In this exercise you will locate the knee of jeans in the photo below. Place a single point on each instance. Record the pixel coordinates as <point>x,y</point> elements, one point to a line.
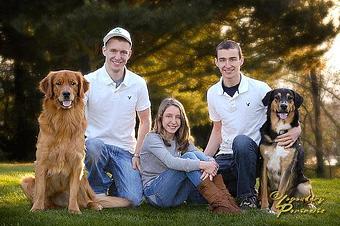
<point>242,144</point>
<point>136,200</point>
<point>94,149</point>
<point>189,155</point>
<point>200,155</point>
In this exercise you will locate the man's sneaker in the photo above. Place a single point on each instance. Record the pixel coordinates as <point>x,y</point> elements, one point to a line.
<point>249,203</point>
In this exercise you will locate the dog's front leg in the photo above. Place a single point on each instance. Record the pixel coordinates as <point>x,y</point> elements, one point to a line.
<point>264,185</point>
<point>73,206</point>
<point>40,186</point>
<point>285,182</point>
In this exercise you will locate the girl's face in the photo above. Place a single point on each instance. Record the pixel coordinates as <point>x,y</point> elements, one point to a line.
<point>171,121</point>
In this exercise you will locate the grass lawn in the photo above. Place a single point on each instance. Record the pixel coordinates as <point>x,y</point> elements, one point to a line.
<point>14,209</point>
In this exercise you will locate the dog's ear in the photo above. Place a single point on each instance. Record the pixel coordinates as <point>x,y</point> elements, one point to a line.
<point>46,85</point>
<point>267,98</point>
<point>83,85</point>
<point>298,99</point>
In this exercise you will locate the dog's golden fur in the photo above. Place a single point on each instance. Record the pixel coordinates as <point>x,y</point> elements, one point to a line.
<point>282,169</point>
<point>59,180</point>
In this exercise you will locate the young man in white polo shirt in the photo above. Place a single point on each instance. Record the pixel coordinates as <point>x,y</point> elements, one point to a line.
<point>236,109</point>
<point>114,97</point>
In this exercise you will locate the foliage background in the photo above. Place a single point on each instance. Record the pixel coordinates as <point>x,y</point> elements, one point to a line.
<point>174,46</point>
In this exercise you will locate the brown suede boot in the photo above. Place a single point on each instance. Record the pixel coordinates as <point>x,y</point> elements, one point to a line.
<point>218,181</point>
<point>216,198</point>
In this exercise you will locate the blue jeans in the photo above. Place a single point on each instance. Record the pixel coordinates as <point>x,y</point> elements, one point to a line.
<point>173,187</point>
<point>101,159</point>
<point>239,169</point>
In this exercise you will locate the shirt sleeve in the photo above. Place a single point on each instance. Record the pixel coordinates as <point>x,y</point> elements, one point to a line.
<point>143,101</point>
<point>213,115</point>
<point>154,144</point>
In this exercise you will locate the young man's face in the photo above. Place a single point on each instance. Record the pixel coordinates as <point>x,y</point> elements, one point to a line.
<point>117,53</point>
<point>229,63</point>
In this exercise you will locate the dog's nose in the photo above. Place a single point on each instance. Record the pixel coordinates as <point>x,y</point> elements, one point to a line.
<point>66,95</point>
<point>283,106</point>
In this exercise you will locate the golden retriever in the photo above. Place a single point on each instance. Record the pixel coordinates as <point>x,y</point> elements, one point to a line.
<point>59,180</point>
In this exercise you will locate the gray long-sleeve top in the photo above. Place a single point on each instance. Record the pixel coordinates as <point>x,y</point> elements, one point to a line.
<point>156,158</point>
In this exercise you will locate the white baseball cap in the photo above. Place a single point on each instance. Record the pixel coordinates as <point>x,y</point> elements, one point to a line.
<point>120,32</point>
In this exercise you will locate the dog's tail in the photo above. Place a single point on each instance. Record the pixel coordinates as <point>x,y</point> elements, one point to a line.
<point>104,200</point>
<point>112,202</point>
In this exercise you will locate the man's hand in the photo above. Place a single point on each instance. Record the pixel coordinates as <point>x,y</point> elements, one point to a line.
<point>136,163</point>
<point>287,140</point>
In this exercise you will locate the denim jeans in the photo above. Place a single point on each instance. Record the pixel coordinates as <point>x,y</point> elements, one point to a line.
<point>239,169</point>
<point>173,187</point>
<point>102,159</point>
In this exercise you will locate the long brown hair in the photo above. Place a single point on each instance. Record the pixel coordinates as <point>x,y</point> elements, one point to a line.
<point>182,135</point>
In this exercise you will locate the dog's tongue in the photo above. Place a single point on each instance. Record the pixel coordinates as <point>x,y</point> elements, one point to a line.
<point>67,103</point>
<point>282,115</point>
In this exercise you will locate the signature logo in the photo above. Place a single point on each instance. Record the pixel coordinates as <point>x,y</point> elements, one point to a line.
<point>284,204</point>
<point>129,97</point>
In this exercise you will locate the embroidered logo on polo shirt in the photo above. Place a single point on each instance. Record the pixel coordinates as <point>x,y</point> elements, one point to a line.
<point>129,97</point>
<point>248,103</point>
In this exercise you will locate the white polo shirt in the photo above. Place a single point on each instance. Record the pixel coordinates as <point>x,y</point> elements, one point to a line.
<point>242,114</point>
<point>111,111</point>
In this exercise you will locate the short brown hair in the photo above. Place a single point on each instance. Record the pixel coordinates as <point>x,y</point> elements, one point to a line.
<point>229,44</point>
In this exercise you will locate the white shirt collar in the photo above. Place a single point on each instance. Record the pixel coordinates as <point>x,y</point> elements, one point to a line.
<point>106,79</point>
<point>243,87</point>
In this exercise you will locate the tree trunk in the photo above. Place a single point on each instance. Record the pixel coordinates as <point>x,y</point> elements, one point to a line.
<point>24,140</point>
<point>316,98</point>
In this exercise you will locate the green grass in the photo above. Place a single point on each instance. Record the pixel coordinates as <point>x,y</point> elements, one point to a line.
<point>14,209</point>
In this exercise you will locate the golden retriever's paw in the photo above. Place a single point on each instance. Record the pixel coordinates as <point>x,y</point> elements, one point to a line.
<point>36,208</point>
<point>74,211</point>
<point>95,206</point>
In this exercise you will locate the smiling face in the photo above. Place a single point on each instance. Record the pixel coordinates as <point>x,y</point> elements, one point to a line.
<point>117,52</point>
<point>171,121</point>
<point>229,63</point>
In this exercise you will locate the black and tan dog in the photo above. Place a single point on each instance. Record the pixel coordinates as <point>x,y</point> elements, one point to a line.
<point>282,168</point>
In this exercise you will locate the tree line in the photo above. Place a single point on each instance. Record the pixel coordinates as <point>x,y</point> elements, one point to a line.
<point>174,47</point>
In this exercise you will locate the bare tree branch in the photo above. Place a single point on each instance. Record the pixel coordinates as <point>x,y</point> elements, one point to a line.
<point>329,115</point>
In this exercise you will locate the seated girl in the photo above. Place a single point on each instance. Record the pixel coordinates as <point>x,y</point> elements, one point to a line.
<point>174,170</point>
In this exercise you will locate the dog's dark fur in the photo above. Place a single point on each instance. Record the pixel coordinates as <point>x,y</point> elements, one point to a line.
<point>282,169</point>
